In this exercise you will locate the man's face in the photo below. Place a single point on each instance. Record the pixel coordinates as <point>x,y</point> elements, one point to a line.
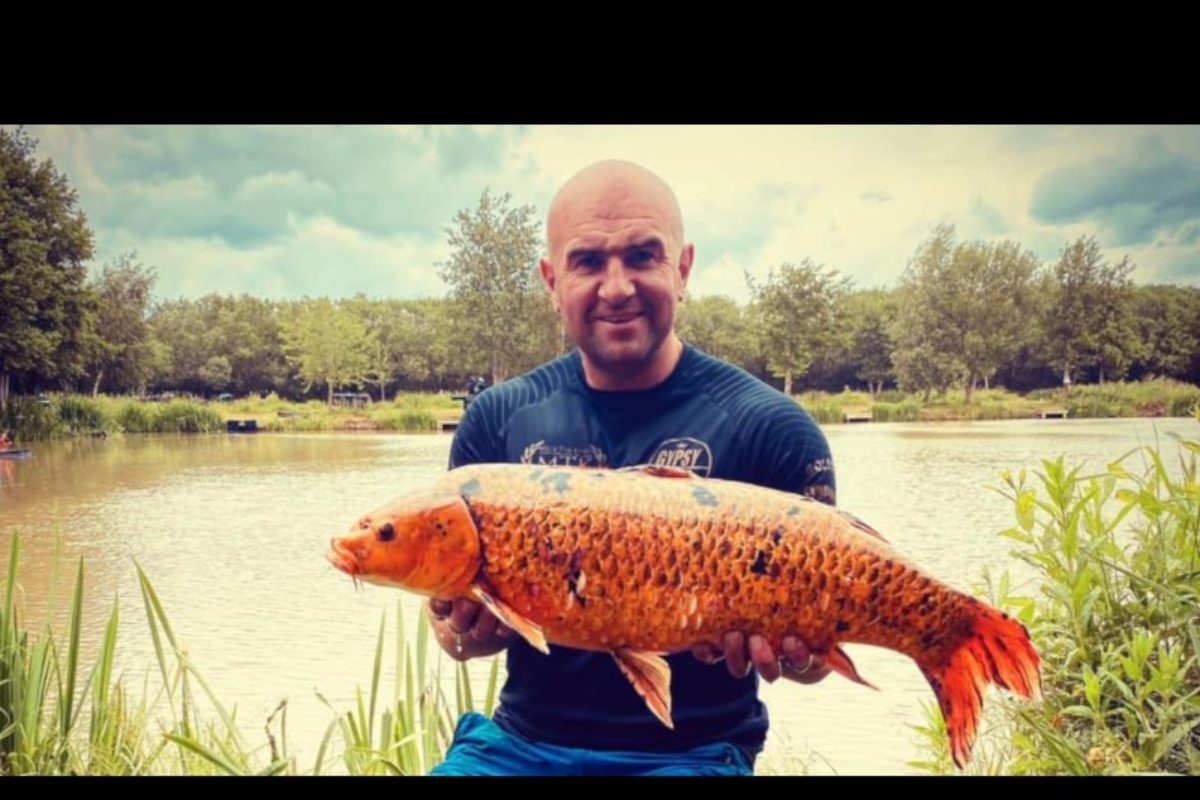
<point>617,272</point>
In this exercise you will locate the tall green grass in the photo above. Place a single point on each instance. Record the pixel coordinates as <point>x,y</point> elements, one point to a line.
<point>55,721</point>
<point>81,415</point>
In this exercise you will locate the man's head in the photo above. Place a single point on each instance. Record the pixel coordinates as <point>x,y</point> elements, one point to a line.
<point>616,267</point>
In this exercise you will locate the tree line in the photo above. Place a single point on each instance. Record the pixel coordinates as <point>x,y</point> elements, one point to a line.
<point>963,313</point>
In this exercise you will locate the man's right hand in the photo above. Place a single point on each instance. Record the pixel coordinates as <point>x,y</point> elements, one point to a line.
<point>465,629</point>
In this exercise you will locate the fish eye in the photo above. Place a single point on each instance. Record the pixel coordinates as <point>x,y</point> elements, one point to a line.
<point>386,532</point>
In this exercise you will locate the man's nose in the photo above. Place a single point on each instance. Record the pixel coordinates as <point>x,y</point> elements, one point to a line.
<point>616,287</point>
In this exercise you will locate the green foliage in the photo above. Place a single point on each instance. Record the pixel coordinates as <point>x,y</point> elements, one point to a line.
<point>1115,615</point>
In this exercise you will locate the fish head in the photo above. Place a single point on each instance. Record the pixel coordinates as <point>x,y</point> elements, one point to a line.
<point>424,541</point>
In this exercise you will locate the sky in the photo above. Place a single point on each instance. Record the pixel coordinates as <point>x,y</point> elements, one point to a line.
<point>293,211</point>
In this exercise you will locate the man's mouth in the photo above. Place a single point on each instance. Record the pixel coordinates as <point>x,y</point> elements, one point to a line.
<point>618,319</point>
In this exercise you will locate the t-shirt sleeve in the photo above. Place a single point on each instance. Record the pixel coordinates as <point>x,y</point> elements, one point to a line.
<point>476,440</point>
<point>794,455</point>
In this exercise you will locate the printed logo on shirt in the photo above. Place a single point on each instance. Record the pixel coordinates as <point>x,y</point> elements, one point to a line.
<point>557,455</point>
<point>817,466</point>
<point>684,453</point>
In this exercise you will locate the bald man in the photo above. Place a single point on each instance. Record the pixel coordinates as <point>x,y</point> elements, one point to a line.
<point>616,267</point>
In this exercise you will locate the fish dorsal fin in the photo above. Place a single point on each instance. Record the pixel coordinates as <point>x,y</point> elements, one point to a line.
<point>527,629</point>
<point>853,520</point>
<point>651,678</point>
<point>661,472</point>
<point>862,526</point>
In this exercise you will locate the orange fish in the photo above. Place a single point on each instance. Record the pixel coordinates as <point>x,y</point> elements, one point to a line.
<point>648,561</point>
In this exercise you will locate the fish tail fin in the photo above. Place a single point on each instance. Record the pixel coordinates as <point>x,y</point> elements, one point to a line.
<point>996,649</point>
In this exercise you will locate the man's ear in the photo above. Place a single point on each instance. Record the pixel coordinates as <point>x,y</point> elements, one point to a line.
<point>686,257</point>
<point>548,277</point>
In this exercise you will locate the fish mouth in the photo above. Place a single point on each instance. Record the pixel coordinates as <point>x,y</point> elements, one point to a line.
<point>341,557</point>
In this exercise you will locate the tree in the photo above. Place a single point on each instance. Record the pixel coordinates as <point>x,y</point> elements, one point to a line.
<point>44,242</point>
<point>871,315</point>
<point>326,342</point>
<point>798,307</point>
<point>244,331</point>
<point>395,340</point>
<point>122,349</point>
<point>718,325</point>
<point>436,321</point>
<point>182,329</point>
<point>216,373</point>
<point>1088,320</point>
<point>492,275</point>
<point>966,310</point>
<point>1165,316</point>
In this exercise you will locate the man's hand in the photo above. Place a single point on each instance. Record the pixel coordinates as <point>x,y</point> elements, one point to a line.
<point>740,653</point>
<point>465,629</point>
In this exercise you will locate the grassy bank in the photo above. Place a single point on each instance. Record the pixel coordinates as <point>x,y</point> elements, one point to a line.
<point>1155,398</point>
<point>406,413</point>
<point>80,415</point>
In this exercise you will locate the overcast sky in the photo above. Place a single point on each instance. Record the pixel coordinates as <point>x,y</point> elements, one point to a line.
<point>290,211</point>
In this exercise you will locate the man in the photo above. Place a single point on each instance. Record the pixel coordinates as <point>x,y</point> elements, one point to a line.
<point>632,393</point>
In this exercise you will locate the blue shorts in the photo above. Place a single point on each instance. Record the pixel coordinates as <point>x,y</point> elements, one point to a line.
<point>480,747</point>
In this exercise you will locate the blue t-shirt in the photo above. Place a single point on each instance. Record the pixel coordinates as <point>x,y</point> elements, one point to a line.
<point>708,416</point>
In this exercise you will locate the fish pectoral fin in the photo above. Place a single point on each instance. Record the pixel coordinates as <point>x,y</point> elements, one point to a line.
<point>651,678</point>
<point>661,472</point>
<point>837,660</point>
<point>527,629</point>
